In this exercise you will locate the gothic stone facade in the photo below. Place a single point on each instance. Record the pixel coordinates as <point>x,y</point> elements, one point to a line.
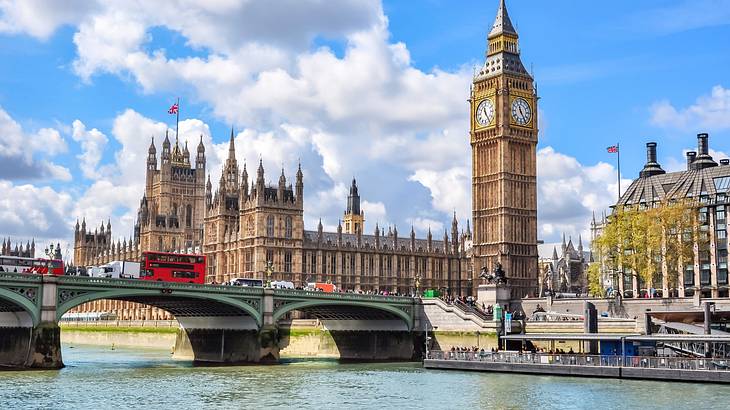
<point>247,226</point>
<point>504,131</point>
<point>565,273</point>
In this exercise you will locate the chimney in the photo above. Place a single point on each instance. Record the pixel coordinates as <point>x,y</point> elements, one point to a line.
<point>690,159</point>
<point>703,160</point>
<point>651,167</point>
<point>702,144</point>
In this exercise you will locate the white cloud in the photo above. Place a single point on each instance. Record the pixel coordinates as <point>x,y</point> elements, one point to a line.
<point>92,144</point>
<point>424,224</point>
<point>450,189</point>
<point>26,156</point>
<point>40,18</point>
<point>709,112</point>
<point>375,213</point>
<point>568,193</point>
<point>29,212</point>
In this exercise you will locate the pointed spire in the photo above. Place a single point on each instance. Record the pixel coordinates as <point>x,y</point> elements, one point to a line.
<point>580,243</point>
<point>152,149</point>
<point>468,228</point>
<point>231,147</point>
<point>502,23</point>
<point>201,147</point>
<point>282,178</point>
<point>555,253</point>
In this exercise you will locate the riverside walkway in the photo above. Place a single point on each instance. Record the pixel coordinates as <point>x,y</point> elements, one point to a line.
<point>683,369</point>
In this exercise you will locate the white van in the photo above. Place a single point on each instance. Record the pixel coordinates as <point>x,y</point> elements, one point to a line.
<point>282,285</point>
<point>120,270</point>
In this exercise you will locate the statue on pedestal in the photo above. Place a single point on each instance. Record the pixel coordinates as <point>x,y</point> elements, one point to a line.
<point>497,276</point>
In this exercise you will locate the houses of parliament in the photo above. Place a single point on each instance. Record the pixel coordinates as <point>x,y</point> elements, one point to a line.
<point>243,224</point>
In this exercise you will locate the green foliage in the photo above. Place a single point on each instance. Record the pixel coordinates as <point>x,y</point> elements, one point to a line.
<point>640,240</point>
<point>595,286</point>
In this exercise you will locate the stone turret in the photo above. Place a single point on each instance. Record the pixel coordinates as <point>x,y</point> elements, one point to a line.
<point>200,158</point>
<point>300,184</point>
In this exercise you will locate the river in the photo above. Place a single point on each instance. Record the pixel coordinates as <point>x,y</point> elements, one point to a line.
<point>97,377</point>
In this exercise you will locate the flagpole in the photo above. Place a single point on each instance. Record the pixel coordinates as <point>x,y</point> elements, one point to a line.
<point>177,118</point>
<point>618,166</point>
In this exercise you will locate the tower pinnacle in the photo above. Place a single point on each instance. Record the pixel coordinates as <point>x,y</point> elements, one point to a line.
<point>502,23</point>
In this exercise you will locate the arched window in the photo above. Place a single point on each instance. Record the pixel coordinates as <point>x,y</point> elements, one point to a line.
<point>288,227</point>
<point>287,262</point>
<point>189,216</point>
<point>159,244</point>
<point>270,226</point>
<point>174,244</point>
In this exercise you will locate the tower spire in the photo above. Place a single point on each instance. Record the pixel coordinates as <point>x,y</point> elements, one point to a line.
<point>231,147</point>
<point>502,23</point>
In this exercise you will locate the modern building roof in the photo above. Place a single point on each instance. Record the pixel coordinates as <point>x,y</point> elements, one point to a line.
<point>703,177</point>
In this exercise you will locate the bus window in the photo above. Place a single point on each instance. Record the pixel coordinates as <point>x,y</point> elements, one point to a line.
<point>184,275</point>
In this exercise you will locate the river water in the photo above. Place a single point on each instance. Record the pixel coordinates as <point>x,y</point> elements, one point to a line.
<point>97,377</point>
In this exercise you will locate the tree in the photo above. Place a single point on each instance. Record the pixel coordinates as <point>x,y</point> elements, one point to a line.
<point>642,240</point>
<point>595,284</point>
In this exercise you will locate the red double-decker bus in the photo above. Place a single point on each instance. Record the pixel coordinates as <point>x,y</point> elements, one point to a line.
<point>17,264</point>
<point>172,267</point>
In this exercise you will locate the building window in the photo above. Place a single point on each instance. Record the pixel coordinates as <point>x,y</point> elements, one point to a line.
<point>270,256</point>
<point>189,216</point>
<point>288,227</point>
<point>248,260</point>
<point>689,275</point>
<point>287,262</point>
<point>159,244</point>
<point>313,261</point>
<point>270,226</point>
<point>333,263</point>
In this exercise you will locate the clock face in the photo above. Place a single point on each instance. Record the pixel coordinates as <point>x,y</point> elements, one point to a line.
<point>521,111</point>
<point>485,112</point>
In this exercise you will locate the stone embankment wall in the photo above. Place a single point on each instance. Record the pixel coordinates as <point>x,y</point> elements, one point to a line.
<point>619,308</point>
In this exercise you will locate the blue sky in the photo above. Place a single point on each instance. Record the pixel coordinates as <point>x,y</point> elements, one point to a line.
<point>359,88</point>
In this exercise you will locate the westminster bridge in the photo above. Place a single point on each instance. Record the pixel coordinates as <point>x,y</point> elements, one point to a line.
<point>224,324</point>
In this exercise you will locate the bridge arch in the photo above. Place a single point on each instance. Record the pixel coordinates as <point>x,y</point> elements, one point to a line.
<point>390,309</point>
<point>176,303</point>
<point>13,303</point>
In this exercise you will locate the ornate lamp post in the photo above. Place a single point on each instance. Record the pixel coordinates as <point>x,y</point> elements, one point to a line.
<point>418,284</point>
<point>269,271</point>
<point>50,253</point>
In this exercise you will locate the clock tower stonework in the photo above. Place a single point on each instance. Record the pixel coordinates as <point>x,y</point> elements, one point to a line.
<point>503,137</point>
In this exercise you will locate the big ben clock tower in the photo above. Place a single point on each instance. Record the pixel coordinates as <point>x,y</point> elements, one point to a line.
<point>503,141</point>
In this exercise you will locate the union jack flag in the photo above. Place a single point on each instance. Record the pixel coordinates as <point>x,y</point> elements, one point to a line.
<point>173,109</point>
<point>613,149</point>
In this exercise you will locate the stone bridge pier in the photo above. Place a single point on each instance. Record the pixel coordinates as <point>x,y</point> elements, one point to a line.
<point>29,332</point>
